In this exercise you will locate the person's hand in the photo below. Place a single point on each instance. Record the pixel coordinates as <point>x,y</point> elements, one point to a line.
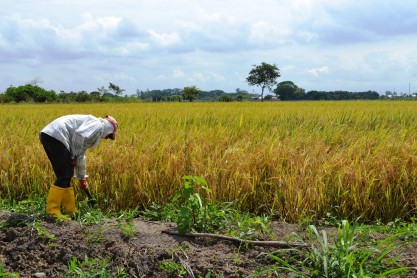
<point>84,184</point>
<point>74,162</point>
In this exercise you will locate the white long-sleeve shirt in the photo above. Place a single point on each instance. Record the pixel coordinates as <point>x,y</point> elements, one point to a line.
<point>78,133</point>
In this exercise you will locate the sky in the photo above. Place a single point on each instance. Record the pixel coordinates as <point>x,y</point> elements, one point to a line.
<point>323,45</point>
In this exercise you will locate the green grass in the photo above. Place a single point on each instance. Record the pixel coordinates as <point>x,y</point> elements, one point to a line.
<point>350,250</point>
<point>347,254</point>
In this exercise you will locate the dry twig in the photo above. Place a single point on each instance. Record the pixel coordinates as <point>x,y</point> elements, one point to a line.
<point>278,244</point>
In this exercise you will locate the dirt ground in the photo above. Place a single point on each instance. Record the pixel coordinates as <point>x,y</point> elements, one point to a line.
<point>48,248</point>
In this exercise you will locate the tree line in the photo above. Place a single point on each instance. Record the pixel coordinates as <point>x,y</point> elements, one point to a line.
<point>264,76</point>
<point>286,91</point>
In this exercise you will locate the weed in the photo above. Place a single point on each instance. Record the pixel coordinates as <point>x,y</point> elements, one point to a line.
<point>192,214</point>
<point>343,258</point>
<point>245,226</point>
<point>156,212</point>
<point>97,236</point>
<point>127,229</point>
<point>92,268</point>
<point>42,231</point>
<point>171,267</point>
<point>208,275</point>
<point>90,215</point>
<point>125,223</point>
<point>4,273</point>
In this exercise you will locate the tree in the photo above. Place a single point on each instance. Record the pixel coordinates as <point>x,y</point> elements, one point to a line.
<point>190,93</point>
<point>264,75</point>
<point>287,90</point>
<point>225,98</point>
<point>29,93</point>
<point>116,89</point>
<point>102,91</point>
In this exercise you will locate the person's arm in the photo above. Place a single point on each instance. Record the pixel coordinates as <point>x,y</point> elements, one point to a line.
<point>86,136</point>
<point>80,168</point>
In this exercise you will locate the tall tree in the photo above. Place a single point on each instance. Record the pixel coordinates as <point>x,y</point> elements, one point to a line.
<point>190,93</point>
<point>116,89</point>
<point>102,91</point>
<point>287,90</point>
<point>263,75</point>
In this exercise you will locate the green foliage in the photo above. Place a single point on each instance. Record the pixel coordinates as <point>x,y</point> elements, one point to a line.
<point>287,90</point>
<point>43,232</point>
<point>116,89</point>
<point>225,98</point>
<point>264,76</point>
<point>29,93</point>
<point>204,215</point>
<point>246,226</point>
<point>4,273</point>
<point>96,236</point>
<point>405,231</point>
<point>343,257</point>
<point>125,223</point>
<point>156,212</point>
<point>171,267</point>
<point>193,213</point>
<point>190,93</point>
<point>92,268</point>
<point>35,205</point>
<point>340,95</point>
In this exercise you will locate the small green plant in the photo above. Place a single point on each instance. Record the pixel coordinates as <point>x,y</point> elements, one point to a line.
<point>89,215</point>
<point>125,223</point>
<point>97,235</point>
<point>42,231</point>
<point>331,218</point>
<point>208,275</point>
<point>4,273</point>
<point>127,229</point>
<point>157,212</point>
<point>172,268</point>
<point>192,212</point>
<point>92,268</point>
<point>406,231</point>
<point>35,205</point>
<point>16,220</point>
<point>245,226</point>
<point>343,258</point>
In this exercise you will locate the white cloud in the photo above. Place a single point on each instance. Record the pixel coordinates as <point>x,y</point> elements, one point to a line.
<point>318,71</point>
<point>178,73</point>
<point>164,40</point>
<point>213,43</point>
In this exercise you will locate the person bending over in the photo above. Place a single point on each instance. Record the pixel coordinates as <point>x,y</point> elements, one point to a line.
<point>65,141</point>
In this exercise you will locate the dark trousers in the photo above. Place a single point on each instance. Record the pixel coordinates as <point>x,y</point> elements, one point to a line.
<point>60,158</point>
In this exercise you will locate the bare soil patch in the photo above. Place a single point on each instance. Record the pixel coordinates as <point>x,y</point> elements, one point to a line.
<point>26,250</point>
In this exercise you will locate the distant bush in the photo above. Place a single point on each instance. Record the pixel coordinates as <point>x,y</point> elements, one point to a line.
<point>28,93</point>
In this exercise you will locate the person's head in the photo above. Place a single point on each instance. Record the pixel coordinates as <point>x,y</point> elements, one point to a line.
<point>115,126</point>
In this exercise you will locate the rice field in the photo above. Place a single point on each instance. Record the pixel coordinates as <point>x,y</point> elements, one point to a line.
<point>293,159</point>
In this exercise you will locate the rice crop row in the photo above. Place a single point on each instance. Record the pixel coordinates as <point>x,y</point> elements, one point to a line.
<point>295,159</point>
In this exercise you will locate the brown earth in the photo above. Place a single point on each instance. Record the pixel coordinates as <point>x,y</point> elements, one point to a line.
<point>49,247</point>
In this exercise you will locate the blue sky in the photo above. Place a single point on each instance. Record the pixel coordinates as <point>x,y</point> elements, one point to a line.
<point>212,44</point>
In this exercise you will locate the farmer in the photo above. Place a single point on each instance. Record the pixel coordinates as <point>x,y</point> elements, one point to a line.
<point>65,141</point>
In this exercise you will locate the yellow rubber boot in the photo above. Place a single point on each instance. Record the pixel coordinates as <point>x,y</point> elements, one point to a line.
<point>53,202</point>
<point>68,201</point>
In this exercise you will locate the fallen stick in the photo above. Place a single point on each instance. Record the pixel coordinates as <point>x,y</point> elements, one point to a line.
<point>279,244</point>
